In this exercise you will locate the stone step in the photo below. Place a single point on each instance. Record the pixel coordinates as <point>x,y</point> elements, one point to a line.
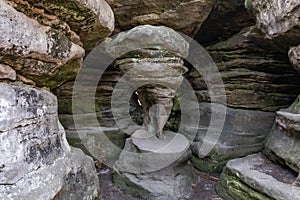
<point>256,177</point>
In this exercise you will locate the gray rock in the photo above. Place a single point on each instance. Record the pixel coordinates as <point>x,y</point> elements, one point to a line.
<point>243,133</point>
<point>255,74</point>
<point>179,15</point>
<point>294,55</point>
<point>33,142</point>
<point>148,37</point>
<point>84,22</point>
<point>6,72</point>
<point>38,52</point>
<point>277,19</point>
<point>166,184</point>
<point>283,143</point>
<point>255,177</point>
<point>155,173</point>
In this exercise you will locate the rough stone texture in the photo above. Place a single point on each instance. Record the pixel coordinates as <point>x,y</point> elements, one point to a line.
<point>88,127</point>
<point>226,19</point>
<point>283,142</point>
<point>243,133</point>
<point>170,13</point>
<point>38,52</point>
<point>255,75</point>
<point>148,37</point>
<point>6,72</point>
<point>294,55</point>
<point>36,161</point>
<point>153,175</point>
<point>153,164</point>
<point>277,19</point>
<point>91,20</point>
<point>255,177</point>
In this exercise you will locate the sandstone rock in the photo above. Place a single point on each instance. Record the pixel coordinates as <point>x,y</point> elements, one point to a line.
<point>277,19</point>
<point>91,20</point>
<point>255,177</point>
<point>184,16</point>
<point>227,18</point>
<point>6,72</point>
<point>243,133</point>
<point>255,75</point>
<point>38,52</point>
<point>294,55</point>
<point>36,161</point>
<point>283,143</point>
<point>150,175</point>
<point>148,37</point>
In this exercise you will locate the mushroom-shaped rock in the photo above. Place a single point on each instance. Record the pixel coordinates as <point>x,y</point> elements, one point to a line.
<point>149,37</point>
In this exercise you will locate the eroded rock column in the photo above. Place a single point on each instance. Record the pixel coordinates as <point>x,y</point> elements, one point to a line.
<point>153,160</point>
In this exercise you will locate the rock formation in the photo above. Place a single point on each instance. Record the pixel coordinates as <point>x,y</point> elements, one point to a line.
<point>169,13</point>
<point>36,160</point>
<point>272,175</point>
<point>153,162</point>
<point>43,44</point>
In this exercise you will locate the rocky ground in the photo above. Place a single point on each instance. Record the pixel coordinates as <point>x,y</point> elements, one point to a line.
<point>204,186</point>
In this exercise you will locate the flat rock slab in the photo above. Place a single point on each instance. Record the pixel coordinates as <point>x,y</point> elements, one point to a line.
<point>171,143</point>
<point>255,177</point>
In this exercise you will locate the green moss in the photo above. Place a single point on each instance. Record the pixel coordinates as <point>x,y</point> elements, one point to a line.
<point>231,187</point>
<point>208,164</point>
<point>82,20</point>
<point>61,75</point>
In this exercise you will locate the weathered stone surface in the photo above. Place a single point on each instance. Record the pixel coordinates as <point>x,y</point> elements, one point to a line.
<point>277,19</point>
<point>243,133</point>
<point>73,176</point>
<point>283,142</point>
<point>91,20</point>
<point>185,16</point>
<point>92,116</point>
<point>255,75</point>
<point>167,184</point>
<point>154,173</point>
<point>294,55</point>
<point>255,177</point>
<point>226,19</point>
<point>6,72</point>
<point>38,52</point>
<point>149,37</point>
<point>32,143</point>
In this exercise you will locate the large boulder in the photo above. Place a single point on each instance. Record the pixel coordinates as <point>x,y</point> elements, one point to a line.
<point>277,20</point>
<point>255,177</point>
<point>38,52</point>
<point>91,20</point>
<point>184,16</point>
<point>36,161</point>
<point>283,143</point>
<point>243,133</point>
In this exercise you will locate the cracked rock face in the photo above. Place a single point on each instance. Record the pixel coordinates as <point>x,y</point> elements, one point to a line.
<point>38,52</point>
<point>277,19</point>
<point>34,152</point>
<point>132,13</point>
